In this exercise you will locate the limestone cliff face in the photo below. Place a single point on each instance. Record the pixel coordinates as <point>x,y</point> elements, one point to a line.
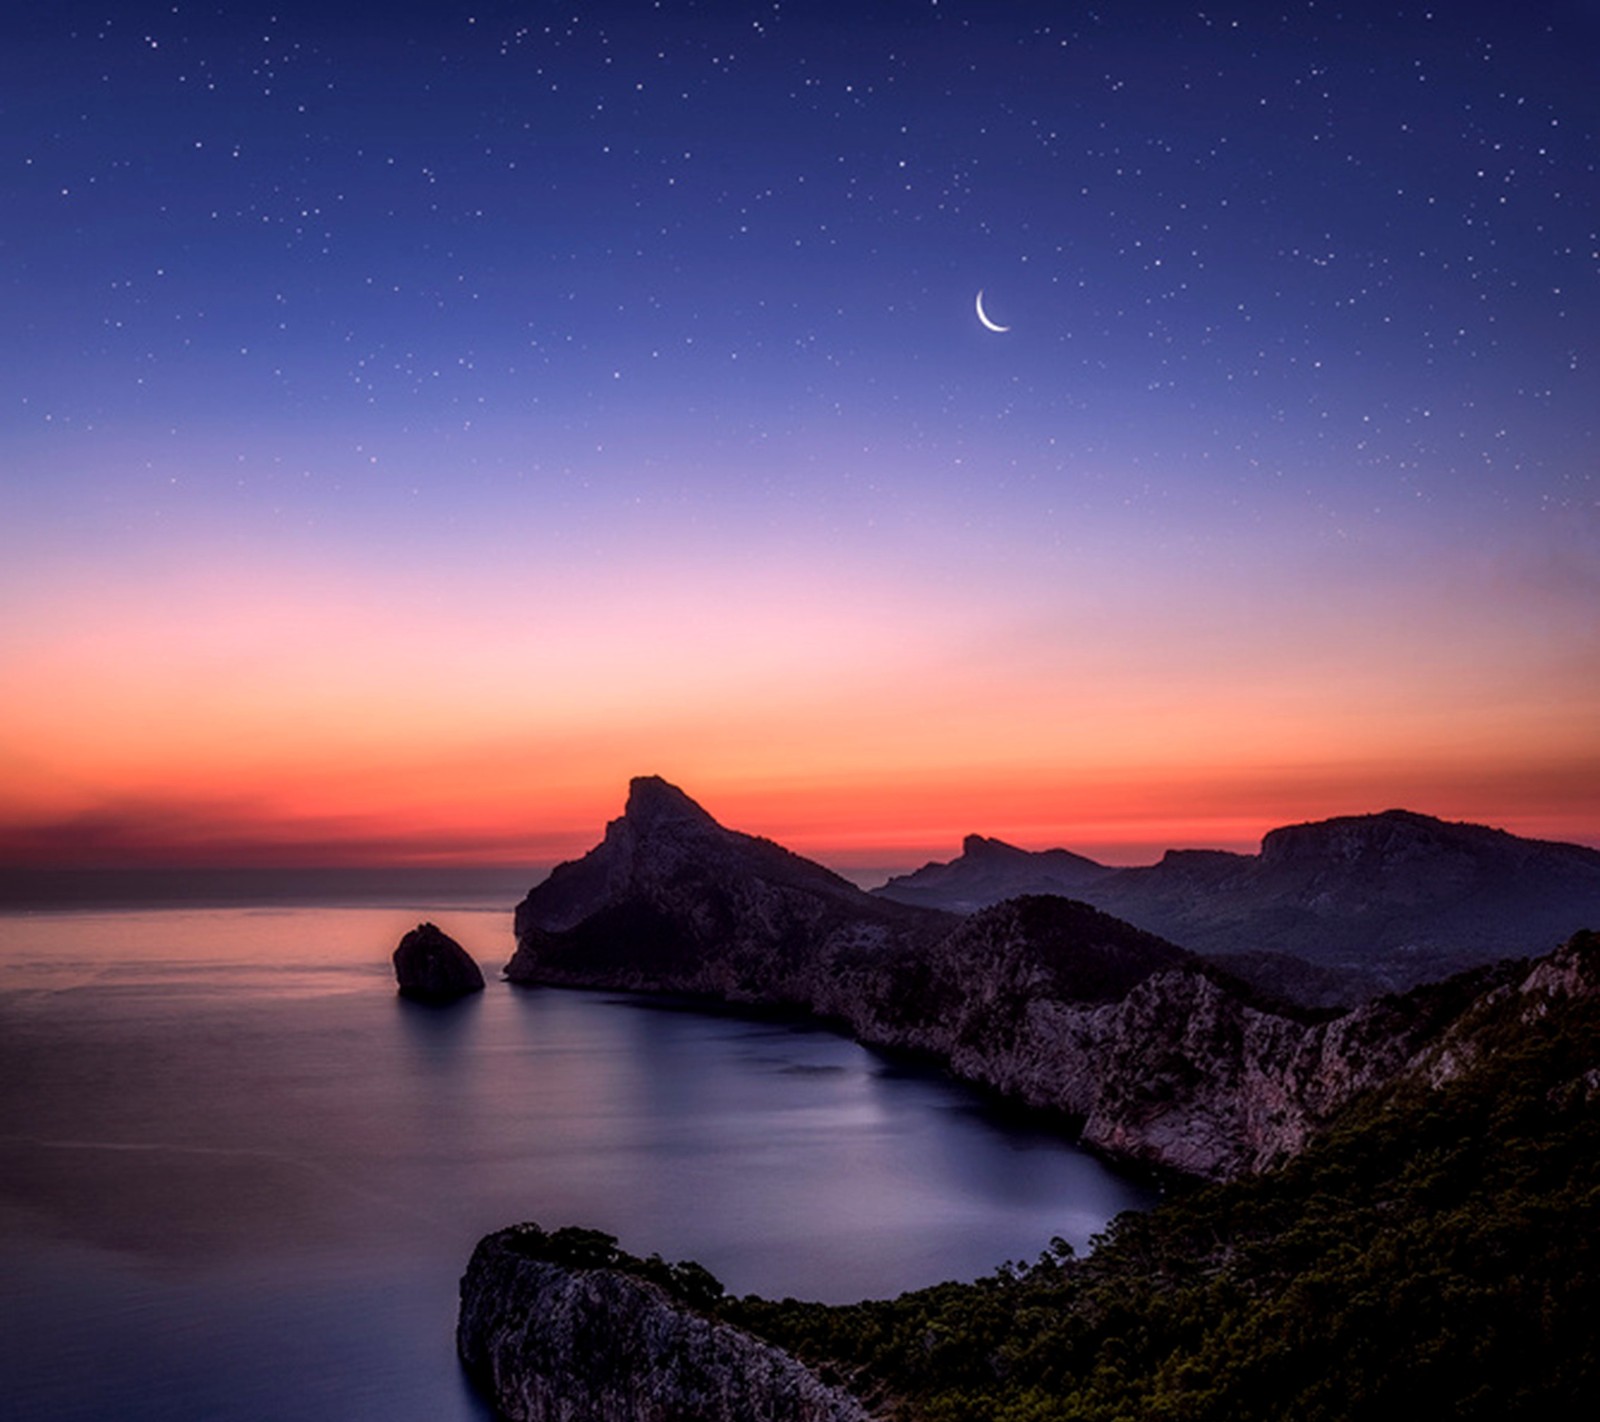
<point>1571,972</point>
<point>1190,1077</point>
<point>1161,1056</point>
<point>550,1343</point>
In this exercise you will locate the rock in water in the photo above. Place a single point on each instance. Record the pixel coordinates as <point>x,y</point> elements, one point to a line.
<point>549,1342</point>
<point>431,966</point>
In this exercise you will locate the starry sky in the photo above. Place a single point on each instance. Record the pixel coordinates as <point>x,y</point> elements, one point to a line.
<point>417,419</point>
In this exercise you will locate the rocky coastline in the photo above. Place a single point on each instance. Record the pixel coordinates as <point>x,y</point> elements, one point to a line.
<point>1165,1059</point>
<point>1158,1057</point>
<point>553,1334</point>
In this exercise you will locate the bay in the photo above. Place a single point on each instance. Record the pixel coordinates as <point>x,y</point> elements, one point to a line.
<point>240,1177</point>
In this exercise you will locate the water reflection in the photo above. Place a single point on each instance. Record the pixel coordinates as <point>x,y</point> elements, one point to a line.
<point>195,1161</point>
<point>441,1035</point>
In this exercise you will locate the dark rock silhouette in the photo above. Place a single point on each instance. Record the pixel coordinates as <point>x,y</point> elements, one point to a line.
<point>1160,1055</point>
<point>1372,903</point>
<point>670,899</point>
<point>552,1342</point>
<point>431,966</point>
<point>989,871</point>
<point>1400,897</point>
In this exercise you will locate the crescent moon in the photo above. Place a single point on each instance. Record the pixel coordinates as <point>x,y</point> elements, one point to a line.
<point>983,316</point>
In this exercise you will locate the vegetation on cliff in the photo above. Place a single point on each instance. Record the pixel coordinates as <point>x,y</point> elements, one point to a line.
<point>573,1247</point>
<point>564,1327</point>
<point>1435,1253</point>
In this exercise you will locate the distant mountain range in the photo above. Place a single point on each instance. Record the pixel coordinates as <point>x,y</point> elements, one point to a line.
<point>1327,912</point>
<point>1155,1053</point>
<point>990,871</point>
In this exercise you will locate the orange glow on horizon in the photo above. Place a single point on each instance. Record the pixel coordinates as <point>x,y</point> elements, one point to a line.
<point>854,719</point>
<point>884,824</point>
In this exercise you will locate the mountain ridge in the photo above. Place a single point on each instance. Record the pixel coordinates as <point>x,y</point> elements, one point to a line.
<point>1376,902</point>
<point>1159,1055</point>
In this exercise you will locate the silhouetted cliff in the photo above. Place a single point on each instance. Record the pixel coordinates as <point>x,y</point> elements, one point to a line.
<point>989,871</point>
<point>672,900</point>
<point>1160,1056</point>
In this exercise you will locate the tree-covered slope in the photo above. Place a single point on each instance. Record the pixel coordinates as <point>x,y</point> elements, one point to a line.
<point>1434,1254</point>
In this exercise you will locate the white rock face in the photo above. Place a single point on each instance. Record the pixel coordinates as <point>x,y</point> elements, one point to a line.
<point>548,1343</point>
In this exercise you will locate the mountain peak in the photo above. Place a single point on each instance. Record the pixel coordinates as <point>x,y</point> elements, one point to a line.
<point>1387,835</point>
<point>989,871</point>
<point>978,846</point>
<point>653,801</point>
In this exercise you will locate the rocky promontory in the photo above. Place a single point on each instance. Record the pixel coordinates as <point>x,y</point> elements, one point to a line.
<point>1158,1056</point>
<point>430,966</point>
<point>670,900</point>
<point>560,1327</point>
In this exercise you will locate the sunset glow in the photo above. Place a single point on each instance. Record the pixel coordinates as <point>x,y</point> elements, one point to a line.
<point>360,509</point>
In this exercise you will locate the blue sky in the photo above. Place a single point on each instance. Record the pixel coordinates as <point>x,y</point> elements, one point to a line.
<point>611,373</point>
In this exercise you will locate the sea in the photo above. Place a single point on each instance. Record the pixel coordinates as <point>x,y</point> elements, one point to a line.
<point>240,1177</point>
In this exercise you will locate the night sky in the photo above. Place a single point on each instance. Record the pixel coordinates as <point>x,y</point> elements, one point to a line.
<point>417,419</point>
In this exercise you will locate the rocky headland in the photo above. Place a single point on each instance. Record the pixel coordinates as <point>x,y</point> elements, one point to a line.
<point>670,900</point>
<point>1156,1055</point>
<point>430,966</point>
<point>561,1327</point>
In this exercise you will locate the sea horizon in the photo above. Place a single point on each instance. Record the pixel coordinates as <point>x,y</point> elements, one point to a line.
<point>226,1140</point>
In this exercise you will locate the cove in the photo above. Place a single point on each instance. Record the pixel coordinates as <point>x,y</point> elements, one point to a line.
<point>240,1178</point>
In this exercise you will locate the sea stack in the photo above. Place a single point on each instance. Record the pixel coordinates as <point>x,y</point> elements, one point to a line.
<point>431,966</point>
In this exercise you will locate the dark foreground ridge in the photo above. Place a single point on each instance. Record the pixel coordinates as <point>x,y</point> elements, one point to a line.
<point>1435,1252</point>
<point>1157,1055</point>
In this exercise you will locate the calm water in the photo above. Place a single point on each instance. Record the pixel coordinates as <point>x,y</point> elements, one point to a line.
<point>240,1178</point>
